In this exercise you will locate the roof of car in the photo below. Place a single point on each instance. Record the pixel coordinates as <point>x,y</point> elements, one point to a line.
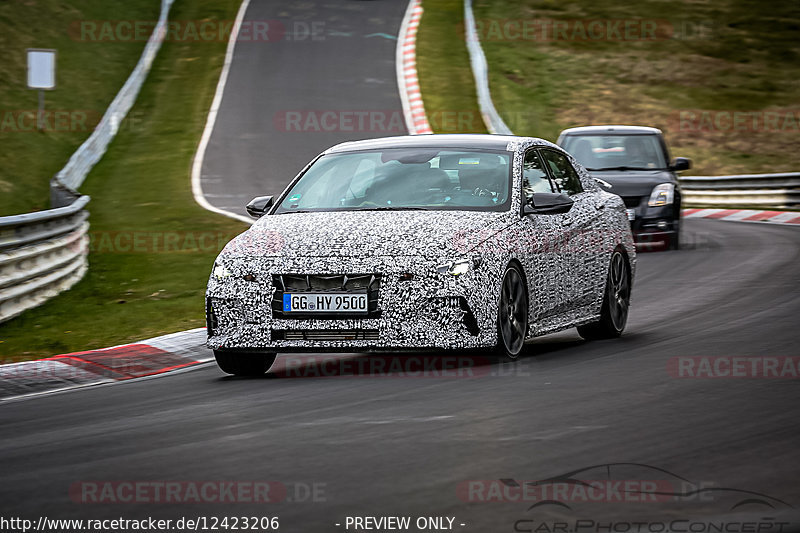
<point>464,140</point>
<point>612,128</point>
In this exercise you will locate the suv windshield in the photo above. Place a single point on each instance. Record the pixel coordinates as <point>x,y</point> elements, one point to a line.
<point>404,179</point>
<point>616,152</point>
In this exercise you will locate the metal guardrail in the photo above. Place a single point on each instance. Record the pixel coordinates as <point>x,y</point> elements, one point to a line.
<point>748,190</point>
<point>44,253</point>
<point>41,254</point>
<point>480,70</point>
<point>90,152</point>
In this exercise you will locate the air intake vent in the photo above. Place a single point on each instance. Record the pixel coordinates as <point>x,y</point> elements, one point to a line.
<point>325,334</point>
<point>632,201</point>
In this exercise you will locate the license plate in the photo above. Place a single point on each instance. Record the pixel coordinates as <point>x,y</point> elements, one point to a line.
<point>631,213</point>
<point>324,303</point>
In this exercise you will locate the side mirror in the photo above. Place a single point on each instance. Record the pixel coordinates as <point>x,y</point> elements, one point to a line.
<point>258,206</point>
<point>548,203</point>
<point>681,163</point>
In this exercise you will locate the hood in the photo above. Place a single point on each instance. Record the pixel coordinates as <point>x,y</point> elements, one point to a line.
<point>366,233</point>
<point>633,182</point>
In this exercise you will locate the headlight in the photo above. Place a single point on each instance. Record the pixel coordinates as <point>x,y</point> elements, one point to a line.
<point>662,194</point>
<point>462,266</point>
<point>221,271</point>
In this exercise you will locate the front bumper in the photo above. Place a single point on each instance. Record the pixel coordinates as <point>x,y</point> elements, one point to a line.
<point>655,227</point>
<point>428,311</point>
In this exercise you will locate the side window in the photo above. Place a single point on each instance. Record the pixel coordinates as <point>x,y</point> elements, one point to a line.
<point>564,175</point>
<point>534,177</point>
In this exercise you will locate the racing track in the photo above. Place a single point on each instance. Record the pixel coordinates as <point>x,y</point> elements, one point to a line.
<point>337,59</point>
<point>401,445</point>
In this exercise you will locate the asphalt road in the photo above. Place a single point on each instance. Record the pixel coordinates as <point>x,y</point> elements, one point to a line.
<point>327,77</point>
<point>409,444</point>
<point>378,445</point>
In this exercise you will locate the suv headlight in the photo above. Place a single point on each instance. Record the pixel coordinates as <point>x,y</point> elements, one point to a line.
<point>459,267</point>
<point>662,194</point>
<point>221,271</point>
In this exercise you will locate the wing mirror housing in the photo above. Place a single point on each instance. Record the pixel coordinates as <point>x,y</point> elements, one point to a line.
<point>548,203</point>
<point>258,206</point>
<point>681,163</point>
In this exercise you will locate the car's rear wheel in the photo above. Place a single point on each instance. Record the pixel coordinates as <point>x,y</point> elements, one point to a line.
<point>244,363</point>
<point>616,301</point>
<point>512,315</point>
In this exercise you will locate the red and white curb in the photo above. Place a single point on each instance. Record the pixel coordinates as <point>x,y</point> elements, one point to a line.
<point>118,363</point>
<point>745,215</point>
<point>407,79</point>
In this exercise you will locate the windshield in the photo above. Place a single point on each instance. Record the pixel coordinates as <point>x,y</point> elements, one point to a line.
<point>616,152</point>
<point>403,178</point>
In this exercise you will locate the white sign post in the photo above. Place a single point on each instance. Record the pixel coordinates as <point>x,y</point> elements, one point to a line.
<point>41,76</point>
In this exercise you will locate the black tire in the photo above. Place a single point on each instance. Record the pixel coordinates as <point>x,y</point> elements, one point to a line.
<point>616,301</point>
<point>244,363</point>
<point>675,241</point>
<point>512,315</point>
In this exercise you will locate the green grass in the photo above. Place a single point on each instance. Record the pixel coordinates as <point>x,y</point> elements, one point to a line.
<point>88,76</point>
<point>444,72</point>
<point>713,55</point>
<point>143,185</point>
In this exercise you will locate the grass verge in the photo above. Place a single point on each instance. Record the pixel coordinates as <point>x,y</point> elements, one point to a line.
<point>445,76</point>
<point>88,76</point>
<point>719,77</point>
<point>152,245</point>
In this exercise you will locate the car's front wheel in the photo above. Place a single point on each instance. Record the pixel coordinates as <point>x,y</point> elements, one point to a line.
<point>616,301</point>
<point>512,314</point>
<point>244,363</point>
<point>675,241</point>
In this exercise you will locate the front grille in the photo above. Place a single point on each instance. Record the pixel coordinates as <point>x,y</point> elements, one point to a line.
<point>325,334</point>
<point>368,284</point>
<point>632,201</point>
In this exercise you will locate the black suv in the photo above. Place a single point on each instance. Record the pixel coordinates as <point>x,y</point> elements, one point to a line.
<point>633,162</point>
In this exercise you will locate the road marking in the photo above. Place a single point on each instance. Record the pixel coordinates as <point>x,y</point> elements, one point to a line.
<point>374,421</point>
<point>197,164</point>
